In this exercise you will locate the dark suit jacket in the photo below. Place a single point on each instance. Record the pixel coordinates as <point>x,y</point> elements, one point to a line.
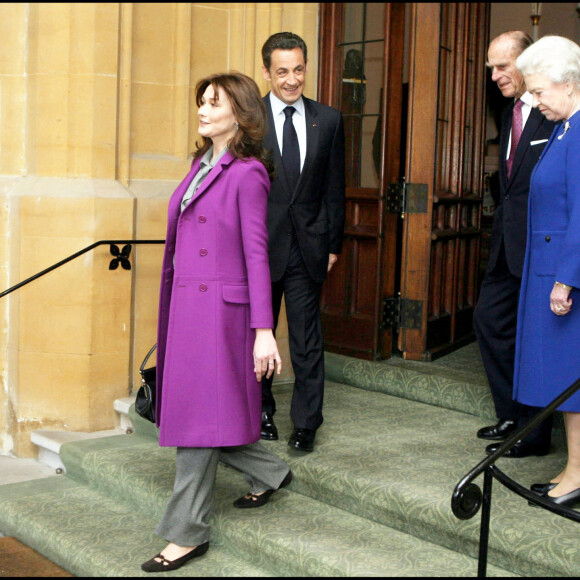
<point>511,214</point>
<point>315,209</point>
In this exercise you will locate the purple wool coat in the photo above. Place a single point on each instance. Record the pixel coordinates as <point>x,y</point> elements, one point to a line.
<point>212,298</point>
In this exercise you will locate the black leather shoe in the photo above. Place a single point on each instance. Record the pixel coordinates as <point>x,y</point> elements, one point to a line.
<point>520,449</point>
<point>253,500</point>
<point>269,430</point>
<point>568,499</point>
<point>498,431</point>
<point>542,488</point>
<point>167,565</point>
<point>302,439</point>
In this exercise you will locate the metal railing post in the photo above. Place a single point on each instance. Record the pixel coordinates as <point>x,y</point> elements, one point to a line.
<point>484,527</point>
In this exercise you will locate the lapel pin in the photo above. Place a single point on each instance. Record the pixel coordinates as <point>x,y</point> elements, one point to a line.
<point>314,124</point>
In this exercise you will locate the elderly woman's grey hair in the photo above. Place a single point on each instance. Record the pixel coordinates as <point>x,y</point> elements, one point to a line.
<point>556,57</point>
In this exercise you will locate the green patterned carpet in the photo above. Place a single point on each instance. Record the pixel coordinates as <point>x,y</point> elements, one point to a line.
<point>373,499</point>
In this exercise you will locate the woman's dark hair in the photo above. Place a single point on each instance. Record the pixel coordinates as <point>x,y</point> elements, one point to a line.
<point>249,109</point>
<point>282,41</point>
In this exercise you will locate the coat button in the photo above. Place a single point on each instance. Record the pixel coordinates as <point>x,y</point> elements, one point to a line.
<point>202,219</point>
<point>548,238</point>
<point>202,287</point>
<point>507,196</point>
<point>203,252</point>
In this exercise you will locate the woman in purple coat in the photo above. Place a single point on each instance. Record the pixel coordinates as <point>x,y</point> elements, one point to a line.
<point>547,354</point>
<point>215,339</point>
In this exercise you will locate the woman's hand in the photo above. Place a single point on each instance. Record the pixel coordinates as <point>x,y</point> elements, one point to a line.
<point>266,354</point>
<point>560,303</point>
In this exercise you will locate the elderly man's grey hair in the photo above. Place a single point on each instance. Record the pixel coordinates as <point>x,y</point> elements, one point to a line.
<point>556,57</point>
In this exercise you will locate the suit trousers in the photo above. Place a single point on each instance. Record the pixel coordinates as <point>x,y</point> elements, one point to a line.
<point>186,518</point>
<point>495,324</point>
<point>302,299</point>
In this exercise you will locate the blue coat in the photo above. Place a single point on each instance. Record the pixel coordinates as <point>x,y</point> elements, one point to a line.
<point>215,289</point>
<point>548,346</point>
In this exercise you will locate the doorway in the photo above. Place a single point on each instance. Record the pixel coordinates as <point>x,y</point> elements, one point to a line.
<point>410,82</point>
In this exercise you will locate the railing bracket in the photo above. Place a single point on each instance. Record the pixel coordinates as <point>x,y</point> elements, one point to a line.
<point>121,257</point>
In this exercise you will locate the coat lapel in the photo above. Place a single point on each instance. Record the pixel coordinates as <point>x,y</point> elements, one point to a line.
<point>503,141</point>
<point>175,202</point>
<point>534,121</point>
<point>311,144</point>
<point>210,178</point>
<point>271,145</point>
<point>552,136</point>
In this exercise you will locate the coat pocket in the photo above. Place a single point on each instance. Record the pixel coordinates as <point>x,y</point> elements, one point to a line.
<point>236,294</point>
<point>545,252</point>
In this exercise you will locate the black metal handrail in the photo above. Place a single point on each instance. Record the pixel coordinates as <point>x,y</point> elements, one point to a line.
<point>468,498</point>
<point>119,257</point>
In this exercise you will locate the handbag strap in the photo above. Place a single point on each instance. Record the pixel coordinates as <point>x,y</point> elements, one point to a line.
<point>147,357</point>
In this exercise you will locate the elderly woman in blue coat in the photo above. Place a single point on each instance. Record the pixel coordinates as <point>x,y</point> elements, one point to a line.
<point>548,335</point>
<point>215,338</point>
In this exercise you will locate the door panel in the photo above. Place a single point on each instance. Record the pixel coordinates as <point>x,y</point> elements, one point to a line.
<point>361,46</point>
<point>446,279</point>
<point>430,256</point>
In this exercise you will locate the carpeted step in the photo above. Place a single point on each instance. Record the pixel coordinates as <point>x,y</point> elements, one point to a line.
<point>456,381</point>
<point>386,459</point>
<point>90,534</point>
<point>293,535</point>
<point>435,383</point>
<point>397,462</point>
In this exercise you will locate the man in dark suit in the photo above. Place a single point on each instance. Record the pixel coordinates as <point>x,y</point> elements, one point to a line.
<point>305,225</point>
<point>523,135</point>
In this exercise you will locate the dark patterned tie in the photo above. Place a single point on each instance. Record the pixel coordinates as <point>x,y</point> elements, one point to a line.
<point>517,127</point>
<point>290,150</point>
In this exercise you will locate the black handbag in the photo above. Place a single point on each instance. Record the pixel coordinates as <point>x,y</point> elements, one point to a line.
<point>145,400</point>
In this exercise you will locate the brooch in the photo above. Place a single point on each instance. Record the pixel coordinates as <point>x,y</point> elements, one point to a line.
<point>566,127</point>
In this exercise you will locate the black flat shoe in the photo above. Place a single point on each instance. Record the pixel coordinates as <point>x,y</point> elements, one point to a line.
<point>168,565</point>
<point>498,431</point>
<point>520,449</point>
<point>302,439</point>
<point>254,500</point>
<point>542,488</point>
<point>568,499</point>
<point>269,431</point>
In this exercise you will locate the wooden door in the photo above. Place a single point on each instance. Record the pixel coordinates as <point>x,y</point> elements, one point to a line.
<point>421,263</point>
<point>361,49</point>
<point>445,154</point>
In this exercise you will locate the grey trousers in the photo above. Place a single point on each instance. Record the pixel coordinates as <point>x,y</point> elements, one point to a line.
<point>186,518</point>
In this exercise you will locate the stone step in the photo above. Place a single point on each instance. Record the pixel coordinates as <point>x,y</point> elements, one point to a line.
<point>50,441</point>
<point>122,407</point>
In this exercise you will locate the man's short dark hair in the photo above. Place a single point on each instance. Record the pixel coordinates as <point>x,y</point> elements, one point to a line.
<point>282,41</point>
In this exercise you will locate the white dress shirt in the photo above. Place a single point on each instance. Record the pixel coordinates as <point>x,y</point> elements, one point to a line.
<point>526,99</point>
<point>298,119</point>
